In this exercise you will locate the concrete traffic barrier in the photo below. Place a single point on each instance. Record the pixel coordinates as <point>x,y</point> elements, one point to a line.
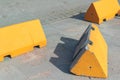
<point>90,57</point>
<point>20,38</point>
<point>102,10</point>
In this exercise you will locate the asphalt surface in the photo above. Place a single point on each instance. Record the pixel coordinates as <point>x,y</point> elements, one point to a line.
<point>63,24</point>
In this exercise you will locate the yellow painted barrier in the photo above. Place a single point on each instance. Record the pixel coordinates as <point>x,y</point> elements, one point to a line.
<point>20,38</point>
<point>102,10</point>
<point>119,13</point>
<point>90,58</point>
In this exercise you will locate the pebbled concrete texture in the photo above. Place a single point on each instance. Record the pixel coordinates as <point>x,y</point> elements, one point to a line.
<point>63,24</point>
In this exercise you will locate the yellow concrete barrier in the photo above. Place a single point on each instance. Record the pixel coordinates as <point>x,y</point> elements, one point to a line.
<point>102,10</point>
<point>90,58</point>
<point>20,38</point>
<point>119,13</point>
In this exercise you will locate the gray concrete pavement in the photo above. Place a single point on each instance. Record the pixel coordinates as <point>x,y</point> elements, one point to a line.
<point>63,26</point>
<point>48,11</point>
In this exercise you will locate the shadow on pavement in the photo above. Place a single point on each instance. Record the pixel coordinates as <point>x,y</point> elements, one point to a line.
<point>117,17</point>
<point>65,52</point>
<point>79,16</point>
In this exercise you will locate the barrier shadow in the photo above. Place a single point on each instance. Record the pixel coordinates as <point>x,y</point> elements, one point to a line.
<point>79,16</point>
<point>64,52</point>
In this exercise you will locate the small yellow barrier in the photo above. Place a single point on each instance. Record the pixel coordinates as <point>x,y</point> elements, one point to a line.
<point>102,10</point>
<point>20,38</point>
<point>90,58</point>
